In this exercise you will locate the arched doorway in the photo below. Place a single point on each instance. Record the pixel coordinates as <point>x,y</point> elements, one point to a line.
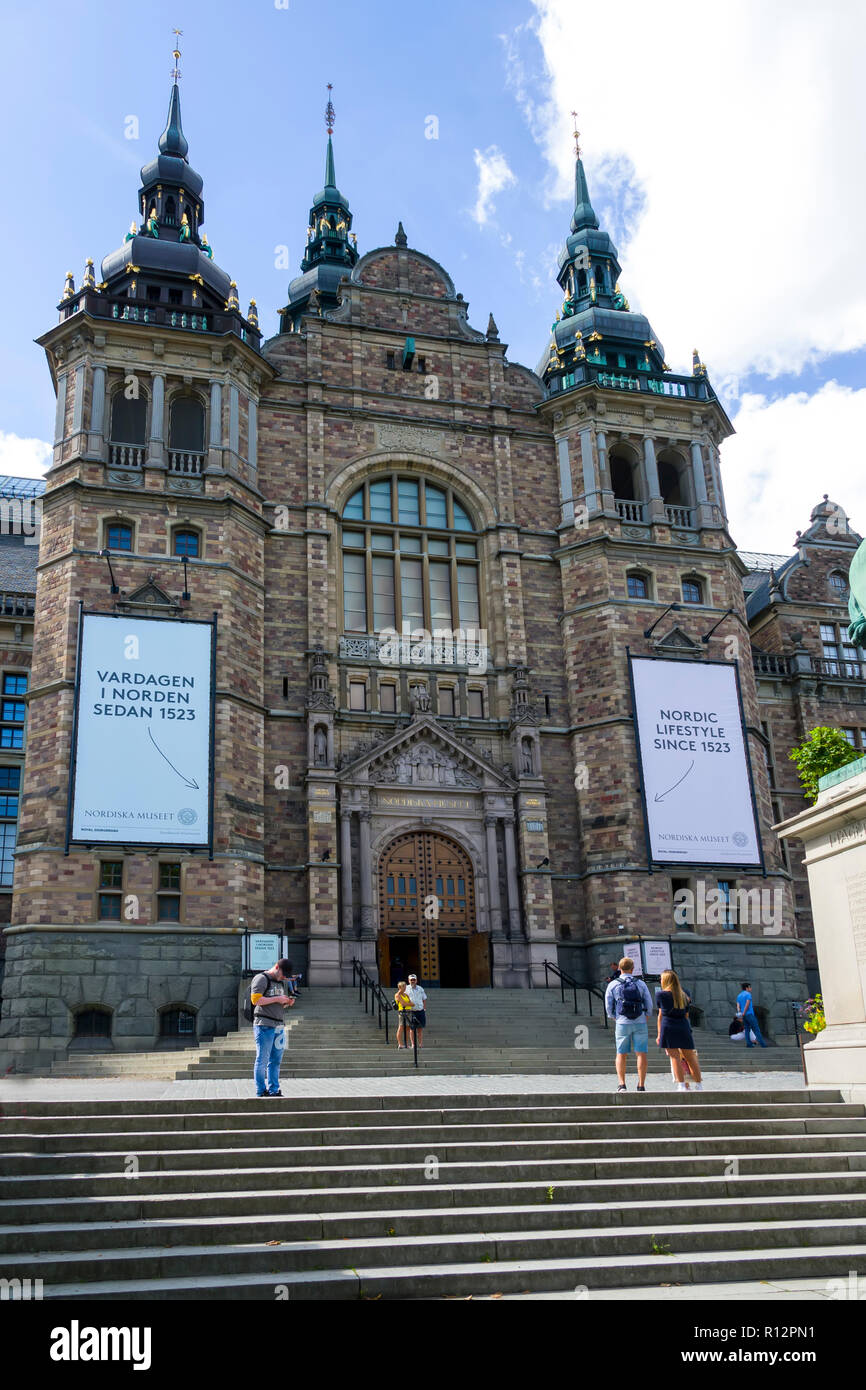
<point>427,914</point>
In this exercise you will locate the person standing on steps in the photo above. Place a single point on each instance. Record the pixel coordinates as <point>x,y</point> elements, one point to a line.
<point>404,1008</point>
<point>675,1031</point>
<point>419,1008</point>
<point>629,1002</point>
<point>270,1001</point>
<point>746,1011</point>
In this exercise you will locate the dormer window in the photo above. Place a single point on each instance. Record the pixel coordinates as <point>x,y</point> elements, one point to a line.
<point>839,586</point>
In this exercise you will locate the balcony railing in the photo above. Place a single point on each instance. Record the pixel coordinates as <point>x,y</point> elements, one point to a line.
<point>694,388</point>
<point>126,455</point>
<point>679,516</point>
<point>800,664</point>
<point>629,511</point>
<point>128,310</point>
<point>180,461</point>
<point>17,605</point>
<point>770,664</point>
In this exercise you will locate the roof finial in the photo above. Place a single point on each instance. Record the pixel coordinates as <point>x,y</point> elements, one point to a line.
<point>329,111</point>
<point>175,72</point>
<point>576,136</point>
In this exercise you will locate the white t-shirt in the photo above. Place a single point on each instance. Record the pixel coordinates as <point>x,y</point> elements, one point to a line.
<point>417,995</point>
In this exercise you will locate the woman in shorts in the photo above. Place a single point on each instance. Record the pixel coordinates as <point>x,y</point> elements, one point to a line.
<point>675,1031</point>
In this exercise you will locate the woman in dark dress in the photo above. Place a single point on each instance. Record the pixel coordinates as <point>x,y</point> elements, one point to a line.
<point>675,1031</point>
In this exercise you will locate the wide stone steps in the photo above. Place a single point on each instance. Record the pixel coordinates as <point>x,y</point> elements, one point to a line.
<point>416,1197</point>
<point>471,1032</point>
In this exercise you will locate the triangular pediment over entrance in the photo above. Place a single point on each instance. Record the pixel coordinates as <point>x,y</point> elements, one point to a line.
<point>425,754</point>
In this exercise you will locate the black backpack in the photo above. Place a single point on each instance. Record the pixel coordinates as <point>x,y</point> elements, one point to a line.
<point>631,1004</point>
<point>249,1006</point>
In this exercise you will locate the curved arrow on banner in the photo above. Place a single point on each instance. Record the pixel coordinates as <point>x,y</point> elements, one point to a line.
<point>187,781</point>
<point>660,796</point>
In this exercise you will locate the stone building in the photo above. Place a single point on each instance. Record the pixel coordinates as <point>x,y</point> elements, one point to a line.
<point>465,803</point>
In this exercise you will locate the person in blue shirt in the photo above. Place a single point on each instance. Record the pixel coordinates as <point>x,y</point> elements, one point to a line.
<point>746,1010</point>
<point>629,1002</point>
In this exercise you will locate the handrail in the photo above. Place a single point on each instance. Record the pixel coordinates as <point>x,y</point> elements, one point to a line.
<point>371,993</point>
<point>568,980</point>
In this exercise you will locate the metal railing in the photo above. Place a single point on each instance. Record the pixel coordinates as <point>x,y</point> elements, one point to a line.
<point>374,998</point>
<point>567,981</point>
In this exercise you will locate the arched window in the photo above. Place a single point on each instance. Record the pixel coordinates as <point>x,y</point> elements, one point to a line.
<point>673,480</point>
<point>186,425</point>
<point>693,589</point>
<point>638,584</point>
<point>839,586</point>
<point>169,216</point>
<point>92,1023</point>
<point>409,556</point>
<point>581,282</point>
<point>599,277</point>
<point>186,543</point>
<point>177,1022</point>
<point>622,474</point>
<point>128,419</point>
<point>118,536</point>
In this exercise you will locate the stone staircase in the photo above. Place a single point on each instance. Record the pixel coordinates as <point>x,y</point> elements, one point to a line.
<point>471,1033</point>
<point>422,1197</point>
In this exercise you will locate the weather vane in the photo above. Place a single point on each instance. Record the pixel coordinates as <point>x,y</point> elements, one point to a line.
<point>178,34</point>
<point>576,135</point>
<point>329,111</point>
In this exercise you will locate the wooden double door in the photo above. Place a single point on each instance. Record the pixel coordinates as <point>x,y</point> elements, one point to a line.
<point>427,914</point>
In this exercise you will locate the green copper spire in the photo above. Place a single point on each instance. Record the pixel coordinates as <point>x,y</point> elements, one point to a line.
<point>330,175</point>
<point>584,213</point>
<point>330,239</point>
<point>173,140</point>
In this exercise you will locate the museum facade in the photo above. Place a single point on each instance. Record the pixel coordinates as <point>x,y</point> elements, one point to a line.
<point>429,568</point>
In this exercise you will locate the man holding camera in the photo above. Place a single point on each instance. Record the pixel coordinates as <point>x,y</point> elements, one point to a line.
<point>270,1001</point>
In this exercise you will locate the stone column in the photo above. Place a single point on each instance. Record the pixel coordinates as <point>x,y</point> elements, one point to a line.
<point>60,411</point>
<point>156,451</point>
<point>656,504</point>
<point>215,440</point>
<point>566,488</point>
<point>346,871</point>
<point>514,925</point>
<point>365,818</point>
<point>494,901</point>
<point>607,497</point>
<point>96,437</point>
<point>253,433</point>
<point>78,400</point>
<point>234,419</point>
<point>704,510</point>
<point>589,479</point>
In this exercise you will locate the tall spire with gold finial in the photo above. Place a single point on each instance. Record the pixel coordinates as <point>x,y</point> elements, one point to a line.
<point>329,240</point>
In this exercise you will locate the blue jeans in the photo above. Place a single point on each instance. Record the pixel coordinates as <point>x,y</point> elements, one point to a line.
<point>270,1046</point>
<point>750,1023</point>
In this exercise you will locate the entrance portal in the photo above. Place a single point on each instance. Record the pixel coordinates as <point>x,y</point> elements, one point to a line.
<point>427,914</point>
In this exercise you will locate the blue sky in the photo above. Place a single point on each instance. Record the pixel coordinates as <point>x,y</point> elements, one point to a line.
<point>721,163</point>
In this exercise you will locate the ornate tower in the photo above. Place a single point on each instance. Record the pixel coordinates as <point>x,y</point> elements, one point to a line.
<point>647,566</point>
<point>152,510</point>
<point>332,247</point>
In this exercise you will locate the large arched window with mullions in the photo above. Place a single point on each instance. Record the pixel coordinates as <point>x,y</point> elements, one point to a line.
<point>409,556</point>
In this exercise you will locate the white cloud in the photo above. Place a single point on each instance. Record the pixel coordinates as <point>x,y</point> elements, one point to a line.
<point>744,126</point>
<point>23,458</point>
<point>785,455</point>
<point>493,176</point>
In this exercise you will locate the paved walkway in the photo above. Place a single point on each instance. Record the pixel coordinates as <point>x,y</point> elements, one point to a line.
<point>764,1290</point>
<point>414,1083</point>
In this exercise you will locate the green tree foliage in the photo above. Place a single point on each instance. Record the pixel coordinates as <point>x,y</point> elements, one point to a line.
<point>823,751</point>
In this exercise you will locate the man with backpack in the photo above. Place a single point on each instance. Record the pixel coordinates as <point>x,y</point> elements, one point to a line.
<point>267,1003</point>
<point>629,1002</point>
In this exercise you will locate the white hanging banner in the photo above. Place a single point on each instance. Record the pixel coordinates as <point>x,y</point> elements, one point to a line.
<point>695,763</point>
<point>143,736</point>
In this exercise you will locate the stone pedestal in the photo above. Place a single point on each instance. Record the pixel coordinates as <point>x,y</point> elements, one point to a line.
<point>834,834</point>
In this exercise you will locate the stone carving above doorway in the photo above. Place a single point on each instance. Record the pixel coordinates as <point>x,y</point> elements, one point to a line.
<point>422,765</point>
